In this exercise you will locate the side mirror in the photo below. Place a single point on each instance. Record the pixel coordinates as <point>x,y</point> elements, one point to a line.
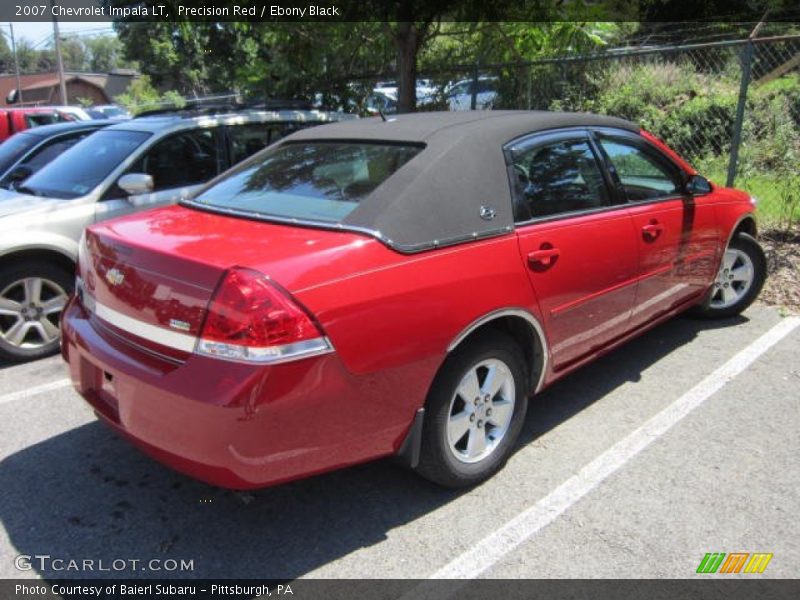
<point>136,183</point>
<point>698,185</point>
<point>18,174</point>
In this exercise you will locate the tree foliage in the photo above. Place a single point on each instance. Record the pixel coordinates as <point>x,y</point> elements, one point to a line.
<point>97,54</point>
<point>340,61</point>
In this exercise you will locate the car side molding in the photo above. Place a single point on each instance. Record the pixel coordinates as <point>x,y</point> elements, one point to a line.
<point>520,313</point>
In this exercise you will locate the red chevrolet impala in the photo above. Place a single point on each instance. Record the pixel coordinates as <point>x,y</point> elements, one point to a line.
<point>396,287</point>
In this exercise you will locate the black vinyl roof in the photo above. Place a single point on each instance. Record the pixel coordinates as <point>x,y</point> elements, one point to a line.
<point>437,197</point>
<point>498,125</point>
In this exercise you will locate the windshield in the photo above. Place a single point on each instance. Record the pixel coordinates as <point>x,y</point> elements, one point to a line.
<point>84,166</point>
<point>15,148</point>
<point>317,181</point>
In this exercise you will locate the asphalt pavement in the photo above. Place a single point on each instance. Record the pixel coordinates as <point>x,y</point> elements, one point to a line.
<point>683,442</point>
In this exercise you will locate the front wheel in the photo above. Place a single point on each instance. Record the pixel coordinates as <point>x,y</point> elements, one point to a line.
<point>474,412</point>
<point>739,280</point>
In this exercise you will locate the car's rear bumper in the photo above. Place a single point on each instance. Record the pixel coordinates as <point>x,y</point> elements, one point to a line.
<point>229,424</point>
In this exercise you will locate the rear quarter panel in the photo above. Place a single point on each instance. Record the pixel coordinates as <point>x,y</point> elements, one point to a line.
<point>397,320</point>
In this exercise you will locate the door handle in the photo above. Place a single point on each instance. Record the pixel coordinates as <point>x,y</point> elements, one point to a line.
<point>652,230</point>
<point>544,257</point>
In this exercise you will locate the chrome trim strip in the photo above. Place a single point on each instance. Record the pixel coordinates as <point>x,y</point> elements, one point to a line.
<point>739,221</point>
<point>159,335</point>
<point>402,248</point>
<point>509,312</point>
<point>269,355</point>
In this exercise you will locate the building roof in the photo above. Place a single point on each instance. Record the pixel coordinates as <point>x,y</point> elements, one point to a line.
<point>112,84</point>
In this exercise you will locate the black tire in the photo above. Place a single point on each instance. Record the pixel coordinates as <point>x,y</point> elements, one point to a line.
<point>53,277</point>
<point>748,245</point>
<point>438,461</point>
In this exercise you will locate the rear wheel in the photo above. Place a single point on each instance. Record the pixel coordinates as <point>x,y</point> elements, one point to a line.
<point>740,278</point>
<point>32,298</point>
<point>474,412</point>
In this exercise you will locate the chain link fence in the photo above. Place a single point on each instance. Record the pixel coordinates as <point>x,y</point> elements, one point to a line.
<point>732,108</point>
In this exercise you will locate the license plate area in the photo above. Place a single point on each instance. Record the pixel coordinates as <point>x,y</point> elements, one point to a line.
<point>99,387</point>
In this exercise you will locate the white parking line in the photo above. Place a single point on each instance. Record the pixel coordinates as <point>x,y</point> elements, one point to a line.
<point>35,391</point>
<point>491,549</point>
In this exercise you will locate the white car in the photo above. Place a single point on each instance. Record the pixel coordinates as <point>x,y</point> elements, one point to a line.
<point>75,112</point>
<point>134,165</point>
<point>459,95</point>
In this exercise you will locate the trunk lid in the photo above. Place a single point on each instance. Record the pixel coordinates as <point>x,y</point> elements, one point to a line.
<point>151,276</point>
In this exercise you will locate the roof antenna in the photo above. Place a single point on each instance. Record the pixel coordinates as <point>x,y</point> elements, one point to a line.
<point>383,116</point>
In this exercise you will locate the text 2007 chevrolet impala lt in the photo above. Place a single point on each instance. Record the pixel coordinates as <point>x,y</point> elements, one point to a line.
<point>375,288</point>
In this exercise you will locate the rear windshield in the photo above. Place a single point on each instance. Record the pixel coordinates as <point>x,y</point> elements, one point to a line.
<point>318,181</point>
<point>84,166</point>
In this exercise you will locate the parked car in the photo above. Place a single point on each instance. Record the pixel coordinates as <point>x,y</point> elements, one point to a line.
<point>426,92</point>
<point>14,120</point>
<point>368,289</point>
<point>75,113</point>
<point>130,166</point>
<point>108,111</point>
<point>28,151</point>
<point>459,95</point>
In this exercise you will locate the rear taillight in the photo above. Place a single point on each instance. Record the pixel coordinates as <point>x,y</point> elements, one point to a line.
<point>251,319</point>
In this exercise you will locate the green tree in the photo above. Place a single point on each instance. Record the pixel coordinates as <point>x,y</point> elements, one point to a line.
<point>73,54</point>
<point>6,56</point>
<point>106,53</point>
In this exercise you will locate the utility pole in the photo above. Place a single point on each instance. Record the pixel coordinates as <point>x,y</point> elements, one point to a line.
<point>16,63</point>
<point>59,61</point>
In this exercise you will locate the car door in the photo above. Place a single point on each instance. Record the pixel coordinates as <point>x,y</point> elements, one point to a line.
<point>179,164</point>
<point>676,233</point>
<point>577,243</point>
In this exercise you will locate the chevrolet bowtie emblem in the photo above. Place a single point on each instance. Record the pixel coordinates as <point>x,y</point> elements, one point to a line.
<point>115,277</point>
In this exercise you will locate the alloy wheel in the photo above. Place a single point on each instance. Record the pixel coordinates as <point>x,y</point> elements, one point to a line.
<point>30,310</point>
<point>480,411</point>
<point>734,279</point>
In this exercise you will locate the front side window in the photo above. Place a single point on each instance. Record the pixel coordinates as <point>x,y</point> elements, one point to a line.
<point>315,181</point>
<point>643,177</point>
<point>84,166</point>
<point>560,177</point>
<point>182,159</point>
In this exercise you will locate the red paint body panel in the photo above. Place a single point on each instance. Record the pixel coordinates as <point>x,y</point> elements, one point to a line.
<point>678,245</point>
<point>12,120</point>
<point>586,294</point>
<point>590,281</point>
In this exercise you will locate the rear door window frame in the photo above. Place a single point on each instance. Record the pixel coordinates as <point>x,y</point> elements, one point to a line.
<point>543,138</point>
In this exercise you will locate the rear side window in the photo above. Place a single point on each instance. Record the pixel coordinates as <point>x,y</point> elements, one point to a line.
<point>642,175</point>
<point>36,119</point>
<point>561,177</point>
<point>320,181</point>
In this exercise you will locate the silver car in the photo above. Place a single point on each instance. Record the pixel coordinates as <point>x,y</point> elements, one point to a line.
<point>135,165</point>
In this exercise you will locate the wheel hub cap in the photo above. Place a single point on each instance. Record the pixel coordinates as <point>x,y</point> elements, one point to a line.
<point>30,309</point>
<point>481,411</point>
<point>734,279</point>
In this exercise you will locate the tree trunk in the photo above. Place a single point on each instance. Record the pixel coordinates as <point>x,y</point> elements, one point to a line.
<point>407,43</point>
